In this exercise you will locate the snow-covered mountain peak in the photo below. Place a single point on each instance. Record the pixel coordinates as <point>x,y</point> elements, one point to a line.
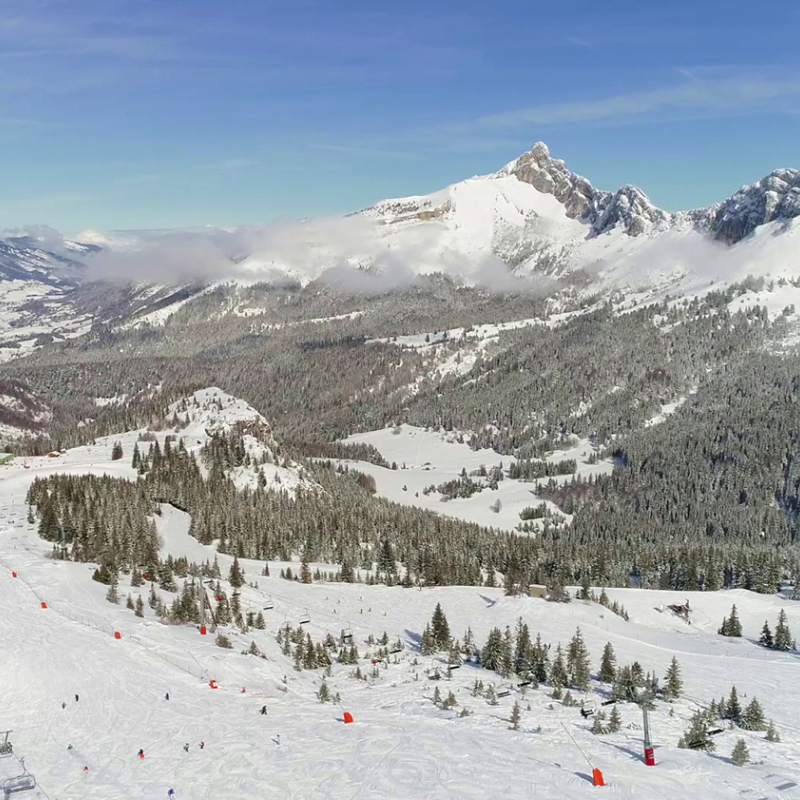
<point>775,198</point>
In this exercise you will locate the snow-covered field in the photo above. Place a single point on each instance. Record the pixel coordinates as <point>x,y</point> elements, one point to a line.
<point>400,744</point>
<point>429,457</point>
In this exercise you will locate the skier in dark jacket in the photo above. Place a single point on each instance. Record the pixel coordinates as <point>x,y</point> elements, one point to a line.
<point>263,710</point>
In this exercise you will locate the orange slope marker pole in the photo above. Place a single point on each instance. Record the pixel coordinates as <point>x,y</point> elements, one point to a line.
<point>597,775</point>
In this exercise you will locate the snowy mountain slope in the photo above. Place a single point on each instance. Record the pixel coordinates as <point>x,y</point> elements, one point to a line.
<point>400,743</point>
<point>210,412</point>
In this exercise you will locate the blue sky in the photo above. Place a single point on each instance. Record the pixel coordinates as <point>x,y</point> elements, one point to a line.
<point>165,113</point>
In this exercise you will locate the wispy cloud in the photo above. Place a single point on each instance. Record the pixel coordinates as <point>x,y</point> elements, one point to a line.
<point>707,97</point>
<point>194,171</point>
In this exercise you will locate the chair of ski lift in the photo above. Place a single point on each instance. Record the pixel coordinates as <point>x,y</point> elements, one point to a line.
<point>434,674</point>
<point>305,617</point>
<point>346,636</point>
<point>19,783</point>
<point>504,692</point>
<point>523,683</point>
<point>268,604</point>
<point>397,647</point>
<point>453,665</point>
<point>588,708</point>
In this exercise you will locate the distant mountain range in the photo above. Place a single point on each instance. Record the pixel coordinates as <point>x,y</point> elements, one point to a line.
<point>532,221</point>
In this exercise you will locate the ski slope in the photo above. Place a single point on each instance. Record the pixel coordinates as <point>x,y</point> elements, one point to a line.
<point>400,744</point>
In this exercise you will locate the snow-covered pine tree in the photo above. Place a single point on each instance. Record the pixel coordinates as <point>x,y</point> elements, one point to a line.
<point>492,652</point>
<point>673,683</point>
<point>783,636</point>
<point>578,662</point>
<point>753,717</point>
<point>305,570</point>
<point>733,709</point>
<point>697,737</point>
<point>558,677</point>
<point>516,716</point>
<point>440,629</point>
<point>766,639</point>
<point>614,721</point>
<point>608,664</point>
<point>236,574</point>
<point>772,733</point>
<point>740,754</point>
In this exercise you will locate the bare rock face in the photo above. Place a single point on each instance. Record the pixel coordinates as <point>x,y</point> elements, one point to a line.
<point>774,198</point>
<point>551,176</point>
<point>629,208</point>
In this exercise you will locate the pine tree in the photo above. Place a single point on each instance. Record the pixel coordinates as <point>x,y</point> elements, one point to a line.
<point>673,680</point>
<point>783,636</point>
<point>437,696</point>
<point>236,574</point>
<point>492,652</point>
<point>697,737</point>
<point>772,733</point>
<point>734,625</point>
<point>116,451</point>
<point>427,643</point>
<point>733,710</point>
<point>305,571</point>
<point>129,603</point>
<point>578,662</point>
<point>766,640</point>
<point>136,577</point>
<point>440,629</point>
<point>608,664</point>
<point>112,595</point>
<point>324,694</point>
<point>139,607</point>
<point>753,717</point>
<point>259,624</point>
<point>740,754</point>
<point>515,717</point>
<point>614,721</point>
<point>558,672</point>
<point>598,726</point>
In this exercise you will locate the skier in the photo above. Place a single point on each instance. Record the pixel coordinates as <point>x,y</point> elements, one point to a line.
<point>202,745</point>
<point>277,739</point>
<point>166,696</point>
<point>141,755</point>
<point>171,793</point>
<point>264,710</point>
<point>77,698</point>
<point>69,747</point>
<point>186,747</point>
<point>63,705</point>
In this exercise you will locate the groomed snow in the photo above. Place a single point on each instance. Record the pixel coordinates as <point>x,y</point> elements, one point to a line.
<point>400,745</point>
